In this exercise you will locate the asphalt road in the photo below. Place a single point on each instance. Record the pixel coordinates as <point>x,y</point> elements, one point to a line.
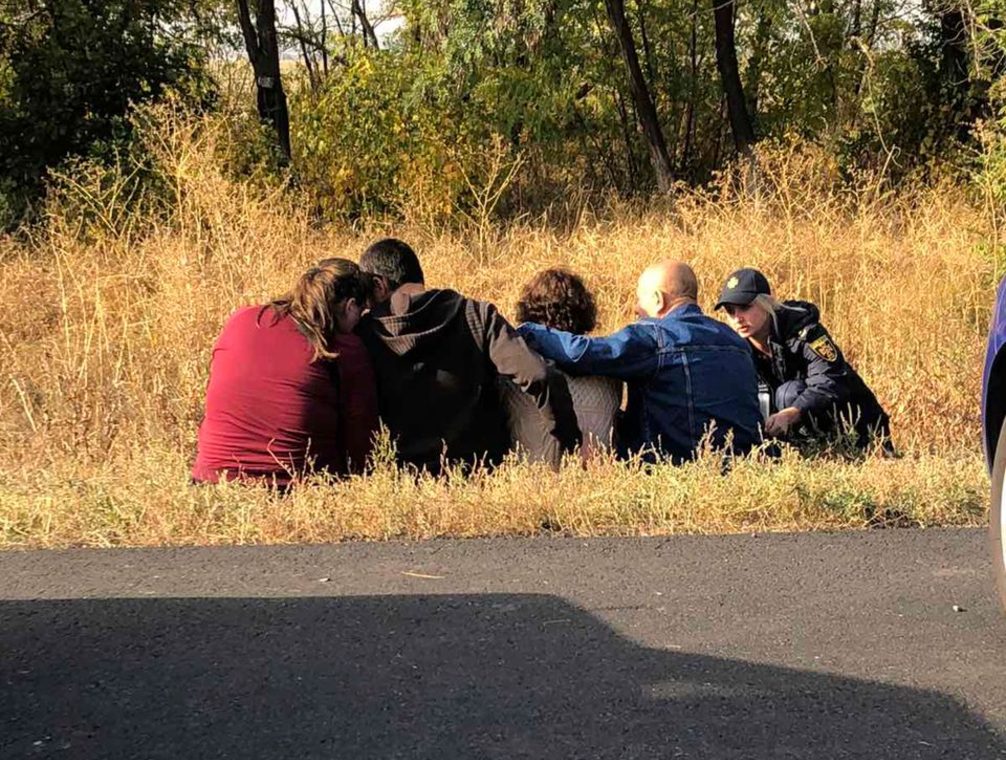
<point>809,646</point>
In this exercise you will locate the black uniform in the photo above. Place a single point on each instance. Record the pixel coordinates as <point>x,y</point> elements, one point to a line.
<point>808,371</point>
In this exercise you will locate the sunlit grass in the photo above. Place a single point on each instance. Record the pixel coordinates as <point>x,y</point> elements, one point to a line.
<point>108,325</point>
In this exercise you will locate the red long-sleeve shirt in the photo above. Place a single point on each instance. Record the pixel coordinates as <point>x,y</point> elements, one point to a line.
<point>270,409</point>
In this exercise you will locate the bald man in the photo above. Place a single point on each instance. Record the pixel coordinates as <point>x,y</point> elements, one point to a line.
<point>690,378</point>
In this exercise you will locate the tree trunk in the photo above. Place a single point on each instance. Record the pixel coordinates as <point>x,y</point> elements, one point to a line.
<point>759,51</point>
<point>369,36</point>
<point>693,76</point>
<point>324,41</point>
<point>335,17</point>
<point>726,62</point>
<point>645,110</point>
<point>954,69</point>
<point>953,47</point>
<point>651,66</point>
<point>302,35</point>
<point>263,53</point>
<point>874,24</point>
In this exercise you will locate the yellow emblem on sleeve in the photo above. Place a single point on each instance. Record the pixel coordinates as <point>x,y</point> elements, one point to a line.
<point>824,348</point>
<point>732,283</point>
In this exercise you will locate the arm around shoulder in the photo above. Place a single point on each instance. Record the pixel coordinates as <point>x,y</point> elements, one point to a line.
<point>514,359</point>
<point>629,354</point>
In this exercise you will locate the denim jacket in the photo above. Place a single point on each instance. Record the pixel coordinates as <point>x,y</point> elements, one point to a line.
<point>685,372</point>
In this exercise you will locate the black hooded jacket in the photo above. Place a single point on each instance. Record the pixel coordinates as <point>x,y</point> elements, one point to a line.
<point>802,349</point>
<point>438,357</point>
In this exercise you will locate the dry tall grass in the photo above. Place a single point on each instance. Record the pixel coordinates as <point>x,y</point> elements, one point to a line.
<point>111,315</point>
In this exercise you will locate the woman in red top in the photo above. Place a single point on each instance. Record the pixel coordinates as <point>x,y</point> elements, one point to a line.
<point>291,389</point>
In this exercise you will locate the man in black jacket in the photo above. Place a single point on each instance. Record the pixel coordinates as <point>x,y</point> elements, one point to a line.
<point>438,357</point>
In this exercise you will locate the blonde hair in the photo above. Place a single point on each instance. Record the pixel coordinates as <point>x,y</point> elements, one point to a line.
<point>772,305</point>
<point>314,300</point>
<point>769,303</point>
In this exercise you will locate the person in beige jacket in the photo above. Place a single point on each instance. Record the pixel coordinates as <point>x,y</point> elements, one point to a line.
<point>559,299</point>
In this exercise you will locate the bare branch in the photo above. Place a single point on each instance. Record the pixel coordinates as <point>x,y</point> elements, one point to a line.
<point>248,30</point>
<point>302,39</point>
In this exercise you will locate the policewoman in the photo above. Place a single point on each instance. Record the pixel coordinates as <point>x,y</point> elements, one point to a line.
<point>810,388</point>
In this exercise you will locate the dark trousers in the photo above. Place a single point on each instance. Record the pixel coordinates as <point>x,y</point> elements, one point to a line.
<point>869,422</point>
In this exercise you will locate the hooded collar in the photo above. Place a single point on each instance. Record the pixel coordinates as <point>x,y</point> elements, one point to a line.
<point>410,321</point>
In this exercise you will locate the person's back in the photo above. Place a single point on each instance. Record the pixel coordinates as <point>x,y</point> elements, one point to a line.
<point>560,299</point>
<point>704,383</point>
<point>275,408</point>
<point>595,401</point>
<point>437,389</point>
<point>688,376</point>
<point>438,357</point>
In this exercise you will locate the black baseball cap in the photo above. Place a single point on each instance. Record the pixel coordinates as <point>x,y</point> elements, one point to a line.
<point>742,287</point>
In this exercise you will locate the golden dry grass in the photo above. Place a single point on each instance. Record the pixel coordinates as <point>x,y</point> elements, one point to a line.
<point>110,318</point>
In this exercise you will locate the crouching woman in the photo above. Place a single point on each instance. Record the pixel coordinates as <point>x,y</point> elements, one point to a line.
<point>291,389</point>
<point>811,390</point>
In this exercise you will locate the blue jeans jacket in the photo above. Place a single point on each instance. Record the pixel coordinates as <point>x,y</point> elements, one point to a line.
<point>686,374</point>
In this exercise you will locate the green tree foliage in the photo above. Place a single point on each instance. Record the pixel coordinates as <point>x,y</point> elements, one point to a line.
<point>543,81</point>
<point>366,138</point>
<point>71,69</point>
<point>476,107</point>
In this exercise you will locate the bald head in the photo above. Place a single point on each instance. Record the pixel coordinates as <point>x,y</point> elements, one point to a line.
<point>664,287</point>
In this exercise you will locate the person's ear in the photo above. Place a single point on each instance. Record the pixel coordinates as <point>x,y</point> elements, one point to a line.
<point>657,302</point>
<point>665,301</point>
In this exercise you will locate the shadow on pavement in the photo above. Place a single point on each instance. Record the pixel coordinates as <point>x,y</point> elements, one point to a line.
<point>480,676</point>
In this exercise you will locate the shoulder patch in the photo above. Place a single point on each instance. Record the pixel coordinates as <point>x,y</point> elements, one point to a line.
<point>824,347</point>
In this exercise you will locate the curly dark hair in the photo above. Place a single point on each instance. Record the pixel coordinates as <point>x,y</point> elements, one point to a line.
<point>558,298</point>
